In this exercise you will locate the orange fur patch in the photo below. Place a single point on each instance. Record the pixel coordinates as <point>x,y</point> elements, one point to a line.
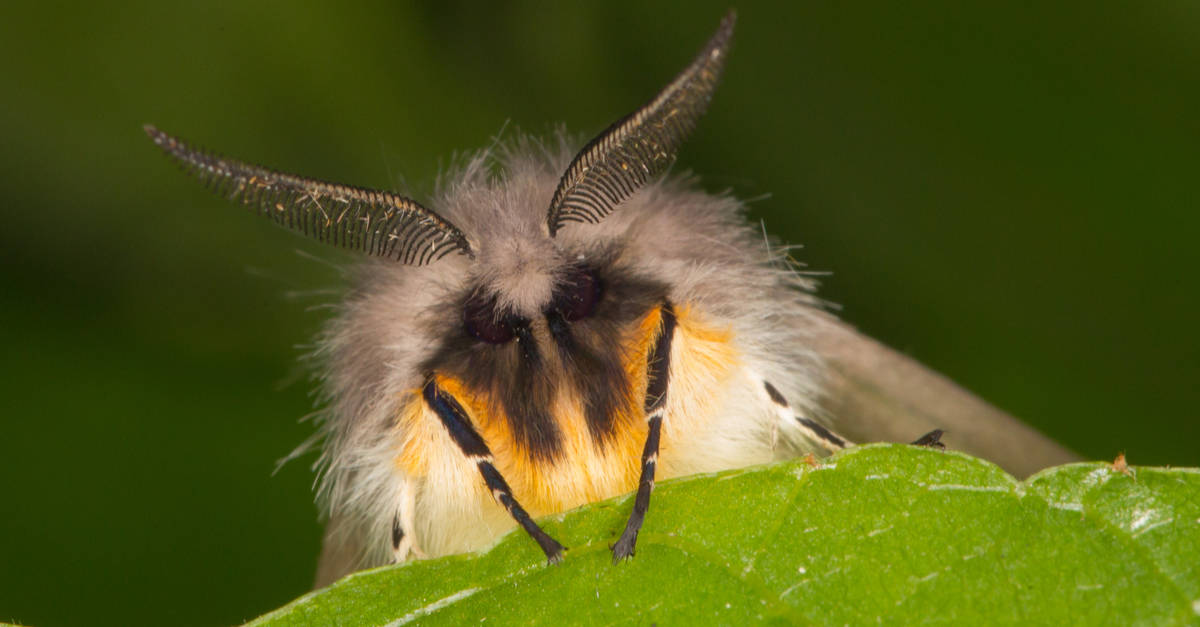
<point>703,358</point>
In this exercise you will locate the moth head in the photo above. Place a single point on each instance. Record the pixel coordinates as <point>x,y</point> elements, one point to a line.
<point>515,267</point>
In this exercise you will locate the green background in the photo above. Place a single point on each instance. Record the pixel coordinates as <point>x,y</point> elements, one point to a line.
<point>1008,193</point>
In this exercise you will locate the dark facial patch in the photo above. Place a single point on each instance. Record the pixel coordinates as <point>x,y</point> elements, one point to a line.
<point>481,320</point>
<point>577,296</point>
<point>594,366</point>
<point>522,378</point>
<point>560,330</point>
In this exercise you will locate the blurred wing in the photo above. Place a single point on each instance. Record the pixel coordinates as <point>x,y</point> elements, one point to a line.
<point>341,554</point>
<point>641,145</point>
<point>876,394</point>
<point>370,221</point>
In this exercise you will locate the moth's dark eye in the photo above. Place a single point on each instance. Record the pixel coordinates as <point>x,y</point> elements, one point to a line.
<point>578,295</point>
<point>480,320</point>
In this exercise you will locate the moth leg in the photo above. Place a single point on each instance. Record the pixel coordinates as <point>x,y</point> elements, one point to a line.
<point>403,541</point>
<point>933,439</point>
<point>458,424</point>
<point>827,438</point>
<point>813,429</point>
<point>658,369</point>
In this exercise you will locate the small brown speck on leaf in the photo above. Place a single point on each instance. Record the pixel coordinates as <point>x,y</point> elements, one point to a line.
<point>1119,465</point>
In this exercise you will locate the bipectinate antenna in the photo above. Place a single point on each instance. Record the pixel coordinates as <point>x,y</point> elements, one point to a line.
<point>640,146</point>
<point>375,222</point>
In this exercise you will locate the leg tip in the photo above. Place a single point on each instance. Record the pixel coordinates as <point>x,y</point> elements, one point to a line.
<point>552,549</point>
<point>623,549</point>
<point>933,439</point>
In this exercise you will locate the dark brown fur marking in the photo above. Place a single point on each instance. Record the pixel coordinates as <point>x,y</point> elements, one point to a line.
<point>521,378</point>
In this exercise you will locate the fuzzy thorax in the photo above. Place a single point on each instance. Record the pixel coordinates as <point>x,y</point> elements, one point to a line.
<point>560,406</point>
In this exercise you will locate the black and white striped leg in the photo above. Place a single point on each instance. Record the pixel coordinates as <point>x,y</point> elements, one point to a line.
<point>403,542</point>
<point>503,495</point>
<point>827,438</point>
<point>658,370</point>
<point>399,551</point>
<point>813,429</point>
<point>456,421</point>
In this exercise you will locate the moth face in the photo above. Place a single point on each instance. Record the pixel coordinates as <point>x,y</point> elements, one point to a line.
<point>574,297</point>
<point>567,343</point>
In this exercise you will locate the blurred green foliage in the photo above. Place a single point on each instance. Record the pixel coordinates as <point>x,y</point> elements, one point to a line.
<point>1007,192</point>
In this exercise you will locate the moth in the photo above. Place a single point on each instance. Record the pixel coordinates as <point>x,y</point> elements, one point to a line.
<point>561,326</point>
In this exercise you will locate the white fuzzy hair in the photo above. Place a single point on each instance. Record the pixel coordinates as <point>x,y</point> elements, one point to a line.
<point>699,244</point>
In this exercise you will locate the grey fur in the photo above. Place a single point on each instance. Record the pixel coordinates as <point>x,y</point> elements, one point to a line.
<point>697,243</point>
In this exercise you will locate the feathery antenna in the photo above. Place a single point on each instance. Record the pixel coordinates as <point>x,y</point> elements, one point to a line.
<point>371,221</point>
<point>638,147</point>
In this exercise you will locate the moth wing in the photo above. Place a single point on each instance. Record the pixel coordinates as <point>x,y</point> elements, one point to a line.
<point>874,393</point>
<point>341,553</point>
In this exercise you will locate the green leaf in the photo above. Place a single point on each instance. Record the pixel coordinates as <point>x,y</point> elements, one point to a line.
<point>881,532</point>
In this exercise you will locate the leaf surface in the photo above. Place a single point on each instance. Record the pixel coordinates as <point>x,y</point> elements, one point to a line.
<point>880,532</point>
